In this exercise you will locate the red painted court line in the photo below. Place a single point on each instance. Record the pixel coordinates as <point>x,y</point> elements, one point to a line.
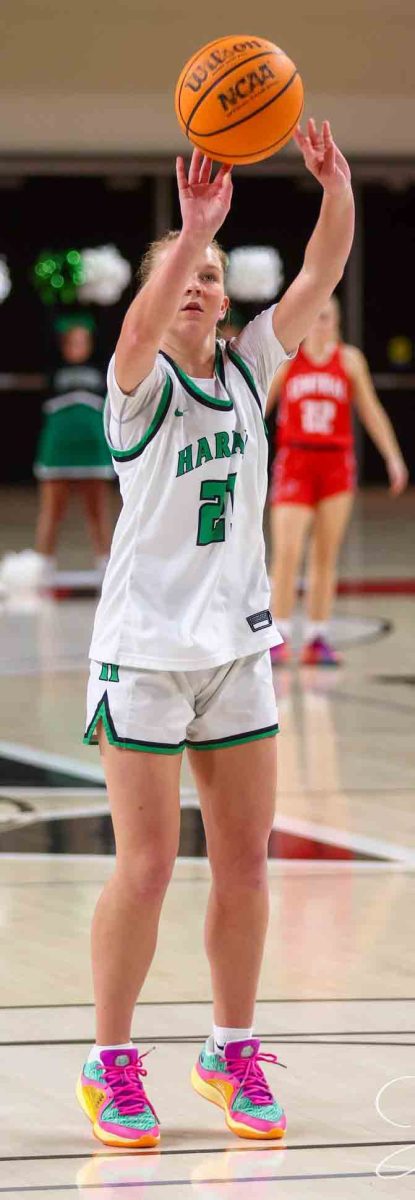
<point>376,587</point>
<point>345,587</point>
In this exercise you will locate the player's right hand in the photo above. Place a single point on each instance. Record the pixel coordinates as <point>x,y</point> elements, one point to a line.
<point>204,202</point>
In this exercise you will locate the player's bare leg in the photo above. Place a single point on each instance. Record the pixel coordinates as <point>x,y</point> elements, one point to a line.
<point>53,502</point>
<point>330,522</point>
<point>237,789</point>
<point>143,791</point>
<point>289,527</point>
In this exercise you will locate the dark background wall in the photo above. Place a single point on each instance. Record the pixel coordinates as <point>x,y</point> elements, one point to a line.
<point>53,212</point>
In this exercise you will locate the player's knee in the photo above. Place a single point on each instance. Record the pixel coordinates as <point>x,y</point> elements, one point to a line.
<point>288,558</point>
<point>324,559</point>
<point>244,867</point>
<point>147,874</point>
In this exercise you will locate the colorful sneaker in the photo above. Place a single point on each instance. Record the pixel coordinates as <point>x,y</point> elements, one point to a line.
<point>237,1084</point>
<point>319,653</point>
<point>281,655</point>
<point>111,1094</point>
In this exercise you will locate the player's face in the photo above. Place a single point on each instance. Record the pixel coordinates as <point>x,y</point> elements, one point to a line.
<point>203,303</point>
<point>77,344</point>
<point>326,325</point>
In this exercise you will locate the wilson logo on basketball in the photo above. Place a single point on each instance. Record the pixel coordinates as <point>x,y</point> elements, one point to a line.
<point>239,99</point>
<point>245,87</point>
<point>215,60</point>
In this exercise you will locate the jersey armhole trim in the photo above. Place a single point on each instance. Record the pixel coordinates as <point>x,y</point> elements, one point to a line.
<point>243,368</point>
<point>160,414</point>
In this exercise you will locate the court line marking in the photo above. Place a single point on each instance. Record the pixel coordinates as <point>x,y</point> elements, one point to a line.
<point>290,825</point>
<point>381,627</point>
<point>207,1150</point>
<point>373,701</point>
<point>331,836</point>
<point>276,868</point>
<point>42,758</point>
<point>73,1187</point>
<point>263,1037</point>
<point>40,815</point>
<point>294,825</point>
<point>273,1037</point>
<point>54,667</point>
<point>182,1003</point>
<point>21,793</point>
<point>282,1039</point>
<point>327,834</point>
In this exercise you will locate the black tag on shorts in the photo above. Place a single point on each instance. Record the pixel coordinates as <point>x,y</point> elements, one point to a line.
<point>260,620</point>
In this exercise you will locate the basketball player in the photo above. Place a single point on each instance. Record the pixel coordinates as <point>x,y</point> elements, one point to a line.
<point>180,648</point>
<point>314,474</point>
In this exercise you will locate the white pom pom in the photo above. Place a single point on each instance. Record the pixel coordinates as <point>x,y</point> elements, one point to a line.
<point>254,273</point>
<point>106,274</point>
<point>25,570</point>
<point>5,280</point>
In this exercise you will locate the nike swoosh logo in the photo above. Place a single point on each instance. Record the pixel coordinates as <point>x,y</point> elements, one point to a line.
<point>179,412</point>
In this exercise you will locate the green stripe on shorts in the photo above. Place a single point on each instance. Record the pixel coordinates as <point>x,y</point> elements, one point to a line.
<point>238,740</point>
<point>102,713</point>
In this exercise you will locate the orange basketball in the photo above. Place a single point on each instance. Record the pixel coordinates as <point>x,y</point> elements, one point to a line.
<point>239,99</point>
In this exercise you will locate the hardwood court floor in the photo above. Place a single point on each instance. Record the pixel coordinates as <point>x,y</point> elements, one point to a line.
<point>337,995</point>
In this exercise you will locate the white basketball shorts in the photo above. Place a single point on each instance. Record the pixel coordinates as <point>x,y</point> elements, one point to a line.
<point>161,712</point>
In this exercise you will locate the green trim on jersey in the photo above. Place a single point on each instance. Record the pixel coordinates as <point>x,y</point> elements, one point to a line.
<point>195,392</point>
<point>242,366</point>
<point>161,412</point>
<point>238,740</point>
<point>102,713</point>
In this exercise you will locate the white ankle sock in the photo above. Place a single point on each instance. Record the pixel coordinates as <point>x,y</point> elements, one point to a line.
<point>222,1035</point>
<point>315,629</point>
<point>95,1051</point>
<point>284,626</point>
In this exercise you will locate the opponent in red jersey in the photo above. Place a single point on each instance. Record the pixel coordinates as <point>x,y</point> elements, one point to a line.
<point>314,472</point>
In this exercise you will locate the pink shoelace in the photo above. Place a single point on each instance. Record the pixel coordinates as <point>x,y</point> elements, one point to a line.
<point>252,1078</point>
<point>127,1088</point>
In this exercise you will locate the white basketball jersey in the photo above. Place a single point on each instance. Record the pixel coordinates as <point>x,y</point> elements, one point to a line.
<point>186,585</point>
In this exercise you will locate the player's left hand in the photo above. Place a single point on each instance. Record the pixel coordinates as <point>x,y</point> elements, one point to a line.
<point>323,158</point>
<point>398,474</point>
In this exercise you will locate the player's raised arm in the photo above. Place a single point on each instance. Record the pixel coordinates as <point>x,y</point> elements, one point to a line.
<point>329,246</point>
<point>204,205</point>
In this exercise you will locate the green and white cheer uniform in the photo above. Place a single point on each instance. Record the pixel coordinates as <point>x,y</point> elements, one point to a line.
<point>72,443</point>
<point>186,588</point>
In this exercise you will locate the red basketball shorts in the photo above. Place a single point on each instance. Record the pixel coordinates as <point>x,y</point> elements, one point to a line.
<point>307,476</point>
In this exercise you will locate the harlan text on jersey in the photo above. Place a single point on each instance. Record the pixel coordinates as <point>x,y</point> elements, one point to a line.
<point>219,445</point>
